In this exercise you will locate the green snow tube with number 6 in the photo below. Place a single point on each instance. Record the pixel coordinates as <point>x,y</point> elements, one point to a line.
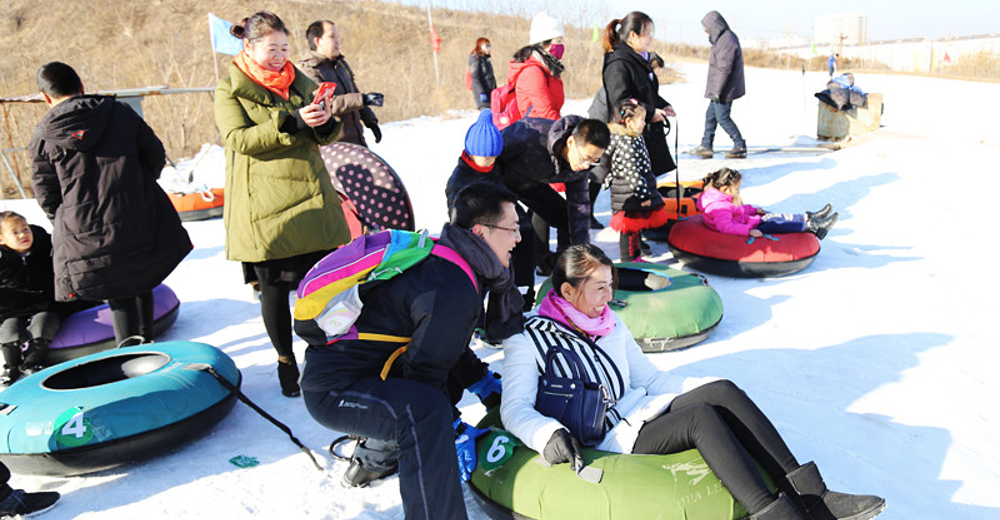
<point>513,482</point>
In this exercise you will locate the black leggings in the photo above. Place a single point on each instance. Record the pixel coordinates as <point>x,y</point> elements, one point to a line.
<point>132,316</point>
<point>730,432</point>
<point>274,309</point>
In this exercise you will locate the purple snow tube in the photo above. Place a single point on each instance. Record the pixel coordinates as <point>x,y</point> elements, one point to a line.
<point>90,330</point>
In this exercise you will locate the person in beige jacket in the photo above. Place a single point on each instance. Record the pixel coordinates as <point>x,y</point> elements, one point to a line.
<point>324,62</point>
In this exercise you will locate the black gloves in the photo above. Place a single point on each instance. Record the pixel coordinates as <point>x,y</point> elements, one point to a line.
<point>375,131</point>
<point>373,99</point>
<point>563,447</point>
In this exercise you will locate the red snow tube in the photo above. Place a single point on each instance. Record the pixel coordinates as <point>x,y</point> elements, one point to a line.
<point>704,249</point>
<point>199,205</point>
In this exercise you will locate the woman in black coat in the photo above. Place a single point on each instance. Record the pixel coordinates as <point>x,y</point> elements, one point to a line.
<point>481,70</point>
<point>627,74</point>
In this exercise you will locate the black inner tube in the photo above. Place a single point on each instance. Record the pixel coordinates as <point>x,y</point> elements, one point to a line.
<point>636,280</point>
<point>106,370</point>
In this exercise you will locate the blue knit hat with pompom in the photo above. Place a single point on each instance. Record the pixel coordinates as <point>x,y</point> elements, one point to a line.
<point>483,139</point>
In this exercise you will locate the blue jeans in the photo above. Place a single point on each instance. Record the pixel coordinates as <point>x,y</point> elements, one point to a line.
<point>418,418</point>
<point>775,223</point>
<point>719,114</point>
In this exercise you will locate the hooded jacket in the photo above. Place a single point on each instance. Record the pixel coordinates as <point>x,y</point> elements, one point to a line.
<point>725,63</point>
<point>536,89</point>
<point>628,75</point>
<point>723,216</point>
<point>347,101</point>
<point>280,201</point>
<point>532,156</point>
<point>115,233</point>
<point>26,282</point>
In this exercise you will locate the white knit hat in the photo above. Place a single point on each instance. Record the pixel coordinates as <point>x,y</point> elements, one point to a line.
<point>544,28</point>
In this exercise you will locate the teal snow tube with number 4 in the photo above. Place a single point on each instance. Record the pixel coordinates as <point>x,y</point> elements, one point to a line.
<point>114,407</point>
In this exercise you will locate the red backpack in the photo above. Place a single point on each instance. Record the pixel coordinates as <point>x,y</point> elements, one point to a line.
<point>468,79</point>
<point>503,104</point>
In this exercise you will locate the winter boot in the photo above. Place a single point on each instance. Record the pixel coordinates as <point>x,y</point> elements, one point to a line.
<point>738,152</point>
<point>628,247</point>
<point>781,509</point>
<point>821,226</point>
<point>21,504</point>
<point>823,213</point>
<point>381,456</point>
<point>34,355</point>
<point>288,377</point>
<point>12,362</point>
<point>819,503</point>
<point>705,152</point>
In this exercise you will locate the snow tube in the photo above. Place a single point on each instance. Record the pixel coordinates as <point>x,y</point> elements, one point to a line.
<point>373,186</point>
<point>89,331</point>
<point>199,205</point>
<point>676,210</point>
<point>665,308</point>
<point>110,408</point>
<point>704,249</point>
<point>678,486</point>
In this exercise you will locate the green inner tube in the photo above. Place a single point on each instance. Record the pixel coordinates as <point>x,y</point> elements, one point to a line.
<point>678,486</point>
<point>666,308</point>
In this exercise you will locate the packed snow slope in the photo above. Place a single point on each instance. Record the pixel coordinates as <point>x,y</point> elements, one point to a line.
<point>878,362</point>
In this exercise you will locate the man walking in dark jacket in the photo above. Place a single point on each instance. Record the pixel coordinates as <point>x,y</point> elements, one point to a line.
<point>324,62</point>
<point>405,397</point>
<point>725,84</point>
<point>115,234</point>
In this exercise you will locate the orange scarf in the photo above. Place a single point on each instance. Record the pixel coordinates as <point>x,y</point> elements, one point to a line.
<point>277,82</point>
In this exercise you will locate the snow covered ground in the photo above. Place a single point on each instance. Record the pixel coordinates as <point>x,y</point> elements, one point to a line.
<point>877,362</point>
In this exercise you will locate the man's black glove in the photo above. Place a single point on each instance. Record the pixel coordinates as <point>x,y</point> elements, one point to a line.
<point>373,99</point>
<point>375,131</point>
<point>563,447</point>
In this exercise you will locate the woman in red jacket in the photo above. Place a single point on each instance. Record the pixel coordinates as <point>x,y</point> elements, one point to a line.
<point>536,70</point>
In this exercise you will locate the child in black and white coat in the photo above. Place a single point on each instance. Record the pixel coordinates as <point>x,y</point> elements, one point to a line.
<point>635,203</point>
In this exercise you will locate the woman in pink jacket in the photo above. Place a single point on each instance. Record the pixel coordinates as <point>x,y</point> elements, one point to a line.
<point>536,70</point>
<point>725,212</point>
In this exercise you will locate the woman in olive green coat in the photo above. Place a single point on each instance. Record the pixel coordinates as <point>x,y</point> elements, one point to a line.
<point>282,213</point>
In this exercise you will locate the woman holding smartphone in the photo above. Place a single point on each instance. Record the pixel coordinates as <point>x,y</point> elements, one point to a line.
<point>282,213</point>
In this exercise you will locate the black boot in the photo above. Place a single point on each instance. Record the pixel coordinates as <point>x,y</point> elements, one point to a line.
<point>823,213</point>
<point>781,509</point>
<point>20,503</point>
<point>11,364</point>
<point>820,227</point>
<point>34,355</point>
<point>819,503</point>
<point>288,377</point>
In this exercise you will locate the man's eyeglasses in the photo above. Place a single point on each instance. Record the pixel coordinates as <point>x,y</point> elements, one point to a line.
<point>587,161</point>
<point>514,230</point>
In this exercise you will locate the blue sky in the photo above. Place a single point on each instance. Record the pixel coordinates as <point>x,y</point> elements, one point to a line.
<point>680,20</point>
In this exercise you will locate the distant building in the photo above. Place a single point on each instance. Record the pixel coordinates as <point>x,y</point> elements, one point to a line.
<point>829,28</point>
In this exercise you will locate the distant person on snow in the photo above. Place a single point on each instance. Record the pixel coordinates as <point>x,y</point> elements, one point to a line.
<point>324,62</point>
<point>115,236</point>
<point>655,412</point>
<point>412,409</point>
<point>725,212</point>
<point>282,212</point>
<point>831,63</point>
<point>725,84</point>
<point>481,72</point>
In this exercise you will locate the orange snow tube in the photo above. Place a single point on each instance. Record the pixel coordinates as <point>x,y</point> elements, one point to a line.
<point>200,205</point>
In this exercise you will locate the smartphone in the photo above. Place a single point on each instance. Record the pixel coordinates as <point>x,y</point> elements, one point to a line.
<point>323,93</point>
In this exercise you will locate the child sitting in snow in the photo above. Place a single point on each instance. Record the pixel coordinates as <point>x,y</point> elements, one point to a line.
<point>635,203</point>
<point>725,212</point>
<point>26,295</point>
